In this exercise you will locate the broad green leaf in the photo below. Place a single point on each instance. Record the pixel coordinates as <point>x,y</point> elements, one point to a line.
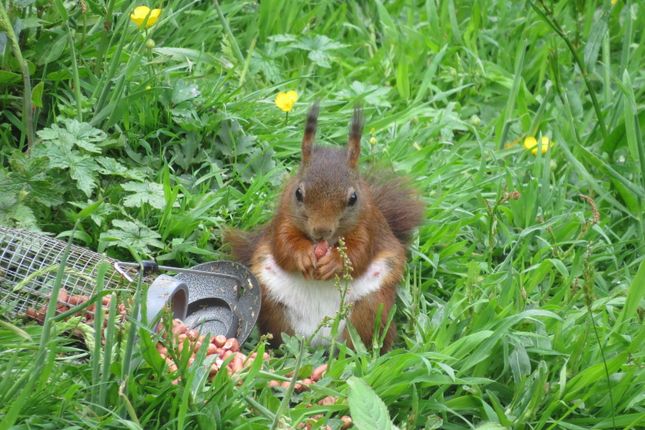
<point>37,94</point>
<point>520,363</point>
<point>133,236</point>
<point>367,409</point>
<point>74,133</point>
<point>635,293</point>
<point>403,79</point>
<point>83,171</point>
<point>7,77</point>
<point>597,34</point>
<point>144,193</point>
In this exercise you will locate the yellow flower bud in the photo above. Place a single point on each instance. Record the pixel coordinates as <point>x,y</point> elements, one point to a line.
<point>285,101</point>
<point>140,13</point>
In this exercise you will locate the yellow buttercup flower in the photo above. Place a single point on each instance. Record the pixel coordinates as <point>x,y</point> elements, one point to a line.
<point>285,101</point>
<point>140,13</point>
<point>531,144</point>
<point>613,2</point>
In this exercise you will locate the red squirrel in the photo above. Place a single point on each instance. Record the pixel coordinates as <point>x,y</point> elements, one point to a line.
<point>295,256</point>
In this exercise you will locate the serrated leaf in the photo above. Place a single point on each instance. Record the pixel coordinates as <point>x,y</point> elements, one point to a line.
<point>318,47</point>
<point>144,192</point>
<point>372,94</point>
<point>130,235</point>
<point>83,171</point>
<point>367,409</point>
<point>84,135</point>
<point>318,43</point>
<point>320,58</point>
<point>183,91</point>
<point>109,166</point>
<point>74,133</point>
<point>81,168</point>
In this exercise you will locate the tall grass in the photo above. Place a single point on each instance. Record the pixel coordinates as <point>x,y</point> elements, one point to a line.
<point>522,303</point>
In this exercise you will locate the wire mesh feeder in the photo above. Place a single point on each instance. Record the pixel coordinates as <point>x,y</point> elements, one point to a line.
<point>29,263</point>
<point>226,296</point>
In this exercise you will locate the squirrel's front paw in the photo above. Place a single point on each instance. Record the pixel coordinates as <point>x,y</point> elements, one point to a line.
<point>305,262</point>
<point>329,265</point>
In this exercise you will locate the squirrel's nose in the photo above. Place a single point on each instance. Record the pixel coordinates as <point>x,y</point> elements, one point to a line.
<point>321,233</point>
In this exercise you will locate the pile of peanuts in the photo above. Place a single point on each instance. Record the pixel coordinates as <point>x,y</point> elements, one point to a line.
<point>219,346</point>
<point>67,301</point>
<point>302,384</point>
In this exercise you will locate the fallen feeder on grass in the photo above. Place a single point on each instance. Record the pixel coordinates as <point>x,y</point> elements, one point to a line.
<point>216,298</point>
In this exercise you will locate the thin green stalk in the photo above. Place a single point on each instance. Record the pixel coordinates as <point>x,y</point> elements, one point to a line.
<point>27,109</point>
<point>343,286</point>
<point>134,323</point>
<point>128,405</point>
<point>627,38</point>
<point>72,47</point>
<point>77,82</point>
<point>510,102</point>
<point>550,20</point>
<point>107,26</point>
<point>107,352</point>
<point>606,63</point>
<point>229,33</point>
<point>284,404</point>
<point>587,287</point>
<point>247,62</point>
<point>114,65</point>
<point>98,334</point>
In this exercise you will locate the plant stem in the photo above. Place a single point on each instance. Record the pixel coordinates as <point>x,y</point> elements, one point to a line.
<point>27,111</point>
<point>550,20</point>
<point>284,404</point>
<point>229,33</point>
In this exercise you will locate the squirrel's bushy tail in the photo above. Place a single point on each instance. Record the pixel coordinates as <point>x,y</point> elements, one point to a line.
<point>242,244</point>
<point>399,203</point>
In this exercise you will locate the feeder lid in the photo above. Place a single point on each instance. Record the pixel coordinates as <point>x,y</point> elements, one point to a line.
<point>223,299</point>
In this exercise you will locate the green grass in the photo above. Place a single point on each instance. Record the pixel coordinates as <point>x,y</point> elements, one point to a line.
<point>522,306</point>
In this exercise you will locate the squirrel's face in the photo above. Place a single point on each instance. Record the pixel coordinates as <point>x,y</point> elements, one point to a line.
<point>326,201</point>
<point>327,195</point>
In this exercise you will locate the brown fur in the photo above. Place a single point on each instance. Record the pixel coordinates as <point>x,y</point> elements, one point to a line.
<point>399,203</point>
<point>243,244</point>
<point>314,206</point>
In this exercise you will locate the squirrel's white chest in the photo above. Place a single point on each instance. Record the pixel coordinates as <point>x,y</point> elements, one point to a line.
<point>308,302</point>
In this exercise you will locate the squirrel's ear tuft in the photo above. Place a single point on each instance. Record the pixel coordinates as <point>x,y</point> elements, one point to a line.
<point>310,134</point>
<point>354,142</point>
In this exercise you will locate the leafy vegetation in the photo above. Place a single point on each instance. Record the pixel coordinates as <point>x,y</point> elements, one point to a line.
<point>522,304</point>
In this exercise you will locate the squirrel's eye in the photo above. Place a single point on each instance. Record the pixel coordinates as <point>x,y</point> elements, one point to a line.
<point>299,195</point>
<point>352,199</point>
